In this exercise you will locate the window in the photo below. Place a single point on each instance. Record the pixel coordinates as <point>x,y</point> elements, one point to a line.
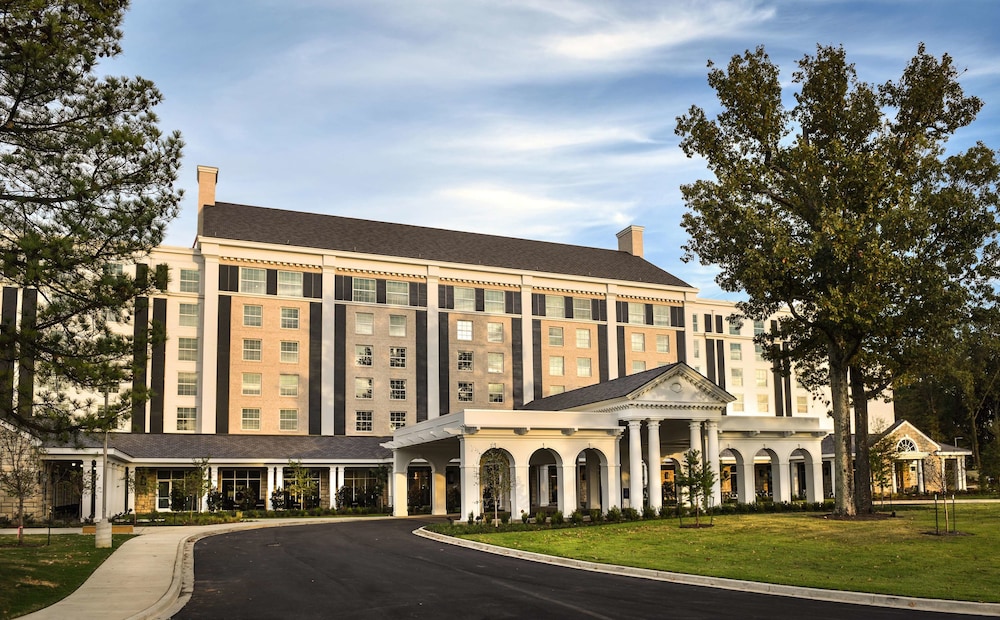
<point>735,351</point>
<point>761,377</point>
<point>763,406</point>
<point>556,366</point>
<point>582,308</point>
<point>114,269</point>
<point>397,419</point>
<point>363,421</point>
<point>397,389</point>
<point>364,323</point>
<point>555,336</point>
<point>363,290</point>
<point>187,384</point>
<point>583,339</point>
<point>758,352</point>
<point>250,419</point>
<point>661,316</point>
<point>694,322</point>
<point>251,384</point>
<point>290,283</point>
<point>253,316</point>
<point>496,392</point>
<point>583,368</point>
<point>288,419</point>
<point>397,293</point>
<point>190,280</point>
<point>639,342</point>
<point>289,352</point>
<point>188,315</point>
<point>494,362</point>
<point>494,332</point>
<point>465,361</point>
<point>906,445</point>
<point>397,357</point>
<point>801,404</point>
<point>397,325</point>
<point>186,418</point>
<point>464,330</point>
<point>555,306</point>
<point>758,328</point>
<point>465,391</point>
<point>289,318</point>
<point>187,349</point>
<point>465,299</point>
<point>363,388</point>
<point>251,350</point>
<point>734,328</point>
<point>662,343</point>
<point>253,280</point>
<point>556,389</point>
<point>494,302</point>
<point>737,377</point>
<point>738,405</point>
<point>638,366</point>
<point>362,355</point>
<point>288,385</point>
<point>636,313</point>
<point>697,349</point>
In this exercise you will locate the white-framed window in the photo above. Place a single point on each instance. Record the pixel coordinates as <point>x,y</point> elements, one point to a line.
<point>253,316</point>
<point>734,328</point>
<point>758,328</point>
<point>758,352</point>
<point>636,313</point>
<point>187,315</point>
<point>801,404</point>
<point>364,323</point>
<point>362,355</point>
<point>697,349</point>
<point>397,293</point>
<point>290,283</point>
<point>289,352</point>
<point>583,339</point>
<point>397,389</point>
<point>114,269</point>
<point>363,421</point>
<point>494,362</point>
<point>555,306</point>
<point>661,315</point>
<point>694,322</point>
<point>190,281</point>
<point>187,418</point>
<point>737,377</point>
<point>738,404</point>
<point>397,357</point>
<point>760,376</point>
<point>638,366</point>
<point>662,343</point>
<point>583,367</point>
<point>463,330</point>
<point>556,389</point>
<point>465,361</point>
<point>187,384</point>
<point>397,419</point>
<point>735,351</point>
<point>288,419</point>
<point>250,419</point>
<point>494,332</point>
<point>364,388</point>
<point>465,299</point>
<point>251,349</point>
<point>289,318</point>
<point>251,384</point>
<point>466,390</point>
<point>253,280</point>
<point>555,336</point>
<point>494,301</point>
<point>288,385</point>
<point>397,325</point>
<point>763,403</point>
<point>496,392</point>
<point>582,308</point>
<point>557,366</point>
<point>639,342</point>
<point>187,349</point>
<point>363,290</point>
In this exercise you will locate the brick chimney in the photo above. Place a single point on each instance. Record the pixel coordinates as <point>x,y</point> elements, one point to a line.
<point>630,240</point>
<point>207,178</point>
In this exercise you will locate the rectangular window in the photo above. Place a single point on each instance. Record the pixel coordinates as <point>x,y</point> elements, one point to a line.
<point>288,419</point>
<point>555,306</point>
<point>638,366</point>
<point>494,302</point>
<point>758,352</point>
<point>735,351</point>
<point>494,332</point>
<point>397,389</point>
<point>251,350</point>
<point>253,280</point>
<point>801,404</point>
<point>465,361</point>
<point>187,316</point>
<point>556,389</point>
<point>636,313</point>
<point>186,418</point>
<point>363,290</point>
<point>763,406</point>
<point>362,355</point>
<point>494,362</point>
<point>190,281</point>
<point>289,352</point>
<point>251,384</point>
<point>583,368</point>
<point>363,388</point>
<point>738,405</point>
<point>465,299</point>
<point>556,366</point>
<point>639,343</point>
<point>363,421</point>
<point>758,328</point>
<point>253,316</point>
<point>694,322</point>
<point>187,349</point>
<point>187,384</point>
<point>288,385</point>
<point>582,308</point>
<point>465,391</point>
<point>661,315</point>
<point>250,419</point>
<point>397,293</point>
<point>697,349</point>
<point>397,357</point>
<point>737,376</point>
<point>761,377</point>
<point>662,343</point>
<point>397,325</point>
<point>583,339</point>
<point>734,328</point>
<point>364,323</point>
<point>464,330</point>
<point>397,419</point>
<point>290,283</point>
<point>496,392</point>
<point>289,318</point>
<point>555,336</point>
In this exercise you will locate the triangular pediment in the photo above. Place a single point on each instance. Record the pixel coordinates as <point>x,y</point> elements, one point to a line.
<point>681,385</point>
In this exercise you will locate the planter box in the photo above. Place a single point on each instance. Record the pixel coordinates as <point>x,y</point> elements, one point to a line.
<point>115,529</point>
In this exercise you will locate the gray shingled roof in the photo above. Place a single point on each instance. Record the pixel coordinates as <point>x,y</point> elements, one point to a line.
<point>330,232</point>
<point>609,390</point>
<point>270,447</point>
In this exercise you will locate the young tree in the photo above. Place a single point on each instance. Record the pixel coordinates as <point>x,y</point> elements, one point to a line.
<point>86,185</point>
<point>698,478</point>
<point>844,209</point>
<point>494,479</point>
<point>882,453</point>
<point>20,466</point>
<point>301,483</point>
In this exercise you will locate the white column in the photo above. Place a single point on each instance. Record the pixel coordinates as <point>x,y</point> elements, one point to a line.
<point>654,484</point>
<point>781,480</point>
<point>961,474</point>
<point>334,487</point>
<point>542,472</point>
<point>521,488</point>
<point>433,345</point>
<point>594,483</point>
<point>567,489</point>
<point>439,485</point>
<point>269,486</point>
<point>635,464</point>
<point>329,346</point>
<point>814,480</point>
<point>746,484</point>
<point>400,461</point>
<point>920,475</point>
<point>469,465</point>
<point>694,432</point>
<point>895,464</point>
<point>99,490</point>
<point>712,432</point>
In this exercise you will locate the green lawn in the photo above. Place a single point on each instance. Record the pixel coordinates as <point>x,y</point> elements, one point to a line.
<point>891,556</point>
<point>37,575</point>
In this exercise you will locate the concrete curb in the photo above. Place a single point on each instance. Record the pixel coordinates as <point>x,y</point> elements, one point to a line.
<point>835,596</point>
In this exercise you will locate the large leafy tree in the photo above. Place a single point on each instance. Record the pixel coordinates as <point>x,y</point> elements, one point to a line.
<point>86,185</point>
<point>844,208</point>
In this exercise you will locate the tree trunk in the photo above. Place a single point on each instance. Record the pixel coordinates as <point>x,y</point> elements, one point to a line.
<point>842,470</point>
<point>862,463</point>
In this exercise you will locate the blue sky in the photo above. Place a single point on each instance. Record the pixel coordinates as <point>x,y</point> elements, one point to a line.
<point>542,119</point>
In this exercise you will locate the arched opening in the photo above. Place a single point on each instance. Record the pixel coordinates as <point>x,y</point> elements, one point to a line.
<point>729,475</point>
<point>765,475</point>
<point>590,490</point>
<point>544,480</point>
<point>806,481</point>
<point>670,469</point>
<point>496,482</point>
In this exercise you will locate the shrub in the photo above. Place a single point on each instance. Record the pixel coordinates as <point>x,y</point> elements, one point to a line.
<point>557,518</point>
<point>576,517</point>
<point>524,517</point>
<point>666,511</point>
<point>630,514</point>
<point>472,518</point>
<point>614,514</point>
<point>648,512</point>
<point>596,516</point>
